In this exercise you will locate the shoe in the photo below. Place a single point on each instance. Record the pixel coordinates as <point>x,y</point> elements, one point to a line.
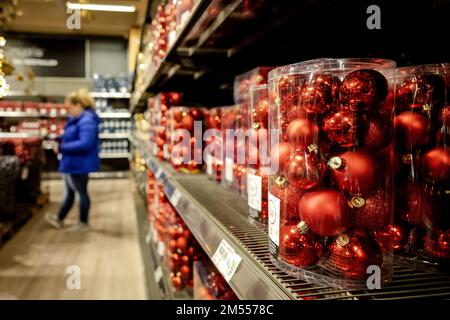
<point>79,227</point>
<point>53,220</point>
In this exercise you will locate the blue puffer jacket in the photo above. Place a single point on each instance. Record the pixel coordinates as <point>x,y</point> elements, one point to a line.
<point>79,145</point>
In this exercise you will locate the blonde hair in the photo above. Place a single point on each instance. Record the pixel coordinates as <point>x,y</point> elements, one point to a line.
<point>82,97</point>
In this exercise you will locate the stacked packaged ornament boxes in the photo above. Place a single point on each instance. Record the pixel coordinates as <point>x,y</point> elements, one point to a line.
<point>209,284</point>
<point>178,249</point>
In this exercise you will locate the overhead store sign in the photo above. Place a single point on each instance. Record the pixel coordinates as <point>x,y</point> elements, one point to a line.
<point>49,57</point>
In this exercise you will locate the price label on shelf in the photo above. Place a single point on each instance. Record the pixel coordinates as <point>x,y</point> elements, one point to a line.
<point>158,274</point>
<point>175,198</point>
<point>161,248</point>
<point>226,260</point>
<point>158,173</point>
<point>209,166</point>
<point>254,191</point>
<point>229,169</point>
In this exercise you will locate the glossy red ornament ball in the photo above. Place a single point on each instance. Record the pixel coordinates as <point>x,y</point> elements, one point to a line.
<point>320,94</point>
<point>299,246</point>
<point>279,154</point>
<point>177,114</point>
<point>437,245</point>
<point>177,283</point>
<point>260,113</point>
<point>379,132</point>
<point>326,212</point>
<point>354,172</point>
<point>392,238</point>
<point>372,212</point>
<point>436,165</point>
<point>182,243</point>
<point>302,132</point>
<point>186,272</point>
<point>303,170</point>
<point>363,90</point>
<point>341,128</point>
<point>411,129</point>
<point>187,122</point>
<point>421,93</point>
<point>351,254</point>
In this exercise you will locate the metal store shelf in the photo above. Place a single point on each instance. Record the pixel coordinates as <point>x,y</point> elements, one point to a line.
<point>22,114</point>
<point>214,213</point>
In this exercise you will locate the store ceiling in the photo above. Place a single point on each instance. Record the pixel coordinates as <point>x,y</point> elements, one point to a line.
<point>49,16</point>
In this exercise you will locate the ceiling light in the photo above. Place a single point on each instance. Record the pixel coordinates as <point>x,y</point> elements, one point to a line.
<point>100,7</point>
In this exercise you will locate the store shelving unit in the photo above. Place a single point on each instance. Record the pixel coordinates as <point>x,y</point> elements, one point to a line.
<point>115,155</point>
<point>113,135</point>
<point>214,214</point>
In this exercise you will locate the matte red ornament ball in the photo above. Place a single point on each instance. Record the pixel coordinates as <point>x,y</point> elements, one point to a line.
<point>411,130</point>
<point>372,212</point>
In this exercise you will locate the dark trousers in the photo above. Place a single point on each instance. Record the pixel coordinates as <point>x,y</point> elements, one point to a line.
<point>75,183</point>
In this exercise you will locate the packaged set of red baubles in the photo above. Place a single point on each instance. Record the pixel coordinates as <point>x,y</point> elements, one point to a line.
<point>330,201</point>
<point>243,82</point>
<point>186,152</point>
<point>213,144</point>
<point>422,158</point>
<point>209,284</point>
<point>257,176</point>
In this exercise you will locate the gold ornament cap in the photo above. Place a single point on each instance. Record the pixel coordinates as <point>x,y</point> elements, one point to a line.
<point>313,148</point>
<point>342,240</point>
<point>256,125</point>
<point>281,181</point>
<point>407,158</point>
<point>302,227</point>
<point>357,202</point>
<point>336,163</point>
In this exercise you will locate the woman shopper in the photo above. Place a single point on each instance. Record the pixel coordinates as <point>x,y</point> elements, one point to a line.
<point>79,148</point>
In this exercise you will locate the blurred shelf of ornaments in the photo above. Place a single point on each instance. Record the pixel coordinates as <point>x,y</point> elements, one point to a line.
<point>356,121</point>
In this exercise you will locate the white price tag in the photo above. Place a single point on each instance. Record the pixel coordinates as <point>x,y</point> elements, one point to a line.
<point>25,173</point>
<point>158,173</point>
<point>148,237</point>
<point>161,248</point>
<point>154,234</point>
<point>209,165</point>
<point>254,191</point>
<point>166,152</point>
<point>229,169</point>
<point>175,198</point>
<point>274,219</point>
<point>158,274</point>
<point>226,260</point>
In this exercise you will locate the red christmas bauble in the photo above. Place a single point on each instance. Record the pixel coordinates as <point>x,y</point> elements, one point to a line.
<point>177,114</point>
<point>289,198</point>
<point>411,130</point>
<point>185,272</point>
<point>392,238</point>
<point>260,113</point>
<point>437,244</point>
<point>372,212</point>
<point>421,93</point>
<point>182,243</point>
<point>185,259</point>
<point>299,246</point>
<point>341,128</point>
<point>413,202</point>
<point>436,165</point>
<point>444,117</point>
<point>326,212</point>
<point>279,154</point>
<point>379,132</point>
<point>351,254</point>
<point>354,172</point>
<point>229,120</point>
<point>187,122</point>
<point>177,283</point>
<point>303,170</point>
<point>197,114</point>
<point>319,95</point>
<point>363,90</point>
<point>302,132</point>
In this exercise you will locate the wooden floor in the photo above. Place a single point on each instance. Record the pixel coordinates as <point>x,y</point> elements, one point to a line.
<point>33,264</point>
